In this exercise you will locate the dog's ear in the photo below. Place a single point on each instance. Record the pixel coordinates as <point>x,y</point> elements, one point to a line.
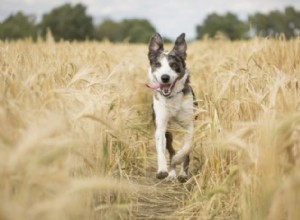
<point>180,47</point>
<point>156,43</point>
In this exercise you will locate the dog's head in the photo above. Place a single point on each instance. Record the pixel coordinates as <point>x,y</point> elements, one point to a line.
<point>166,68</point>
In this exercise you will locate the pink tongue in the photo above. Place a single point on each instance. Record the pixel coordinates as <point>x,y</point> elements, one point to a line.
<point>153,85</point>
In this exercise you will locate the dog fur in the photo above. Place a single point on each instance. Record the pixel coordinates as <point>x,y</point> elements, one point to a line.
<point>173,102</point>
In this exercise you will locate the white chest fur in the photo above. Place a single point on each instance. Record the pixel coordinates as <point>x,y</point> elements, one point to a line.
<point>178,109</point>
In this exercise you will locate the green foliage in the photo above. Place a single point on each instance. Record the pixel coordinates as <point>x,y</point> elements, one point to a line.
<point>228,24</point>
<point>130,30</point>
<point>276,22</point>
<point>18,26</point>
<point>68,23</point>
<point>109,29</point>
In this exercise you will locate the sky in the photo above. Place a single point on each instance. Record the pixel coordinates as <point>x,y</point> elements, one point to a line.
<point>169,17</point>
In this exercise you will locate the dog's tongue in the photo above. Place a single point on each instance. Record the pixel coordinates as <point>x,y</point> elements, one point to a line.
<point>165,88</point>
<point>153,86</point>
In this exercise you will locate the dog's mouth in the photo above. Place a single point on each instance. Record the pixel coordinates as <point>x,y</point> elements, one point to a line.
<point>165,88</point>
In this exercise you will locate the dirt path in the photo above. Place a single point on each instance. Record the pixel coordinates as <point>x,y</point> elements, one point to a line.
<point>162,199</point>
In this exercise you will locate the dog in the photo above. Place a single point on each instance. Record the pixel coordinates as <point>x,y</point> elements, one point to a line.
<point>173,103</point>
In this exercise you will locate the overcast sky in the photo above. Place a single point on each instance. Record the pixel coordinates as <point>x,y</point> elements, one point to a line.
<point>170,17</point>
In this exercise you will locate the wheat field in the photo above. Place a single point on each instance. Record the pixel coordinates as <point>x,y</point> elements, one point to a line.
<point>76,134</point>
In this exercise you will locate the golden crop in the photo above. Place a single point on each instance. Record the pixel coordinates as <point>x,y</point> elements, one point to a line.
<point>76,135</point>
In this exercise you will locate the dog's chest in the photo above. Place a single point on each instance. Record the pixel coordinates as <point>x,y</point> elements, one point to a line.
<point>178,110</point>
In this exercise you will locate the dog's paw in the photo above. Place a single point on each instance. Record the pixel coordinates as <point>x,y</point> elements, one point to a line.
<point>162,174</point>
<point>172,176</point>
<point>182,178</point>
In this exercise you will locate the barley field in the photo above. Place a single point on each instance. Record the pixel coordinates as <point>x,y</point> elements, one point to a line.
<point>76,134</point>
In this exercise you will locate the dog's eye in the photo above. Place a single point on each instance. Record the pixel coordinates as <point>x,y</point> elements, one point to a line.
<point>157,64</point>
<point>175,66</point>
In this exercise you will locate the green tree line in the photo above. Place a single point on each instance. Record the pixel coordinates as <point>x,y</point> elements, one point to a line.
<point>71,22</point>
<point>264,25</point>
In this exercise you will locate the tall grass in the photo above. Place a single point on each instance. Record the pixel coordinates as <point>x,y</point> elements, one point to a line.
<point>76,138</point>
<point>249,150</point>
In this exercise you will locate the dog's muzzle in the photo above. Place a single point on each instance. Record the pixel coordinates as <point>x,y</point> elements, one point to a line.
<point>165,88</point>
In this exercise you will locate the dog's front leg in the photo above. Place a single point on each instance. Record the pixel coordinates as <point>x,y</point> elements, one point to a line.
<point>161,122</point>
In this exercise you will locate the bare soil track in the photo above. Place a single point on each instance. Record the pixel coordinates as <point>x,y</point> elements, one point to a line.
<point>161,199</point>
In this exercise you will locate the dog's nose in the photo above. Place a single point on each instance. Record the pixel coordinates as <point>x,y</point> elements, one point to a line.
<point>165,78</point>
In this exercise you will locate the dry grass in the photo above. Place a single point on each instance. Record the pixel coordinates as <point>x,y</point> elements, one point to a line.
<point>76,138</point>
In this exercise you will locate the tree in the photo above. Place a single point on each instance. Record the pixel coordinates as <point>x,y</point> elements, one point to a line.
<point>18,26</point>
<point>137,30</point>
<point>292,21</point>
<point>276,22</point>
<point>228,24</point>
<point>130,30</point>
<point>110,30</point>
<point>68,23</point>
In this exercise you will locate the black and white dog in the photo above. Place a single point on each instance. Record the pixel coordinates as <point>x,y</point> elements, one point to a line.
<point>173,102</point>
